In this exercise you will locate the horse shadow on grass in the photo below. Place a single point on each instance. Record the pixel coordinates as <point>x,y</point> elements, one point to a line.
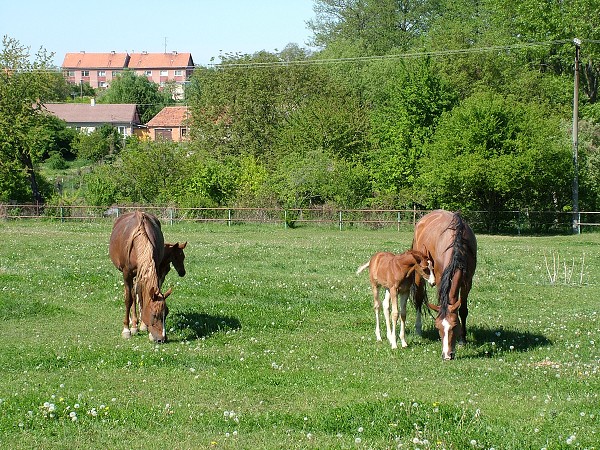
<point>483,342</point>
<point>190,325</point>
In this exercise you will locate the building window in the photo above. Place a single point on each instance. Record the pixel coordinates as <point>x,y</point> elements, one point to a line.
<point>85,73</point>
<point>178,73</point>
<point>101,73</point>
<point>71,73</point>
<point>183,132</point>
<point>122,131</point>
<point>103,84</point>
<point>148,73</point>
<point>164,73</point>
<point>115,73</point>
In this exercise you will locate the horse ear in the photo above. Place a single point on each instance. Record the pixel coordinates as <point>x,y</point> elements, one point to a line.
<point>166,294</point>
<point>433,307</point>
<point>182,246</point>
<point>454,307</point>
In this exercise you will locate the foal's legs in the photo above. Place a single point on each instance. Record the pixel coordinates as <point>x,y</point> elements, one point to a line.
<point>376,305</point>
<point>403,298</point>
<point>392,334</point>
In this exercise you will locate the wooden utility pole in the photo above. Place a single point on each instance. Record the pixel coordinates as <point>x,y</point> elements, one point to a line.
<point>576,217</point>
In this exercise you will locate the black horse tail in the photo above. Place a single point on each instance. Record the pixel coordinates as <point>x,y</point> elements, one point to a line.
<point>458,262</point>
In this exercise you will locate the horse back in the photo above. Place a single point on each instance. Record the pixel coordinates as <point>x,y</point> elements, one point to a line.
<point>435,236</point>
<point>125,229</point>
<point>389,269</point>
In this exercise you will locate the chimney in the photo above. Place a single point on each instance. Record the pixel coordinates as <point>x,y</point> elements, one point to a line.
<point>93,101</point>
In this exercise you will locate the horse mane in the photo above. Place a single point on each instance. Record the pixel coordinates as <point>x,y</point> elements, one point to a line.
<point>147,277</point>
<point>459,261</point>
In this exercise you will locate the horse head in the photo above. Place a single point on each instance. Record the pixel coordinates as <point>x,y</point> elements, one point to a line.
<point>154,315</point>
<point>424,266</point>
<point>448,326</point>
<point>177,258</point>
<point>173,254</point>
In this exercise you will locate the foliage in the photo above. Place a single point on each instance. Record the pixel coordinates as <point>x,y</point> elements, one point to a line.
<point>493,153</point>
<point>102,142</point>
<point>81,93</point>
<point>375,26</point>
<point>24,134</point>
<point>132,88</point>
<point>458,103</point>
<point>407,101</point>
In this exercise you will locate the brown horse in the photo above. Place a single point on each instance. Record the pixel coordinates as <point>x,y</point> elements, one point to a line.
<point>396,274</point>
<point>447,239</point>
<point>136,248</point>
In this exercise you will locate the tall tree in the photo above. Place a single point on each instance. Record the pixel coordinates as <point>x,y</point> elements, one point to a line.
<point>136,89</point>
<point>376,26</point>
<point>238,107</point>
<point>24,88</point>
<point>493,153</point>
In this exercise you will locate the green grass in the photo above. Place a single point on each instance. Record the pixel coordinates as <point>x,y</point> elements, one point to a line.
<point>271,345</point>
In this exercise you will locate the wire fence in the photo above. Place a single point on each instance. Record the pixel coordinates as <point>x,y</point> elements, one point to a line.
<point>498,222</point>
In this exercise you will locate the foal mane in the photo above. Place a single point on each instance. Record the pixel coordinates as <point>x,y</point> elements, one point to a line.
<point>459,261</point>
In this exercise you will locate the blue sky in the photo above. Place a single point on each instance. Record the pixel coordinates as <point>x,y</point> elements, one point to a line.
<point>206,28</point>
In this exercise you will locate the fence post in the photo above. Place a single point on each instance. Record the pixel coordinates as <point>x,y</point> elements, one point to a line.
<point>229,217</point>
<point>171,216</point>
<point>285,219</point>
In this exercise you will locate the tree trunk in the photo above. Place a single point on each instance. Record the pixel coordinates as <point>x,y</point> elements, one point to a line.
<point>28,163</point>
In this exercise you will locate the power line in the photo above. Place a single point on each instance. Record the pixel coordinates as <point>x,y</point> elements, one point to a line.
<point>357,59</point>
<point>410,55</point>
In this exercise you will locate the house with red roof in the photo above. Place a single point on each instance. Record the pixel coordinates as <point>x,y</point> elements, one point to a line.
<point>170,124</point>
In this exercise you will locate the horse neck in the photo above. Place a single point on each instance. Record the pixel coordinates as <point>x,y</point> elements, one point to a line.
<point>452,275</point>
<point>146,270</point>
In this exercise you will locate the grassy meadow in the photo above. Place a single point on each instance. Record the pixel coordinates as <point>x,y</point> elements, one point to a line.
<point>272,345</point>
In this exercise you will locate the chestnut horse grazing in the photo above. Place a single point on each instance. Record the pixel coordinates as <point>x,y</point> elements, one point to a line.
<point>137,248</point>
<point>396,273</point>
<point>449,241</point>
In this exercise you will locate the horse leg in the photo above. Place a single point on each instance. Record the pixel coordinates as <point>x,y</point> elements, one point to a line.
<point>386,313</point>
<point>392,336</point>
<point>126,333</point>
<point>140,302</point>
<point>376,306</point>
<point>463,312</point>
<point>403,298</point>
<point>419,296</point>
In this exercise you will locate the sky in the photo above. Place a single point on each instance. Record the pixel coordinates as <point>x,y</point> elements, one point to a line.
<point>204,28</point>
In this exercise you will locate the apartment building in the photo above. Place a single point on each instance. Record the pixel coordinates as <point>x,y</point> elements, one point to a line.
<point>99,69</point>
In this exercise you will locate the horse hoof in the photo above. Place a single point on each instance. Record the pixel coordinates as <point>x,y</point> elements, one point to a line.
<point>126,334</point>
<point>134,330</point>
<point>143,327</point>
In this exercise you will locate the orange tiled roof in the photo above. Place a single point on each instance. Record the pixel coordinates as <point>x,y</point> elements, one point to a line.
<point>109,60</point>
<point>160,60</point>
<point>170,116</point>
